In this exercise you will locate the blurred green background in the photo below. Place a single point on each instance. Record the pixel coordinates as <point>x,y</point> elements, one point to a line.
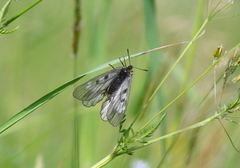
<point>37,58</point>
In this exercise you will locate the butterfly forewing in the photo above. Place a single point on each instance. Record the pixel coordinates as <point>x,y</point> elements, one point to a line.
<point>95,89</point>
<point>114,108</point>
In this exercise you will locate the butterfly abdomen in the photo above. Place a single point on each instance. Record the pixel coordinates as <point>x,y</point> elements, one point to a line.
<point>116,83</point>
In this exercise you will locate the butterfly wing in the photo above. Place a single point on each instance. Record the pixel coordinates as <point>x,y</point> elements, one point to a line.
<point>95,89</point>
<point>114,108</point>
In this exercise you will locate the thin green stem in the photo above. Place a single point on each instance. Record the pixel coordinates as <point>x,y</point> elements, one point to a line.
<point>225,7</point>
<point>215,85</point>
<point>199,124</point>
<point>177,61</point>
<point>104,161</point>
<point>167,75</point>
<point>181,94</point>
<point>202,123</point>
<point>21,13</point>
<point>229,137</point>
<point>215,9</point>
<point>191,53</point>
<point>75,47</point>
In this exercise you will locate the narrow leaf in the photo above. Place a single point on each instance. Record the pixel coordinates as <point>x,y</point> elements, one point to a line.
<point>149,131</point>
<point>28,110</point>
<point>4,31</point>
<point>4,10</point>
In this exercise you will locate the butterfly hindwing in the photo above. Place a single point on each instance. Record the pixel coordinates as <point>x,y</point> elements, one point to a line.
<point>114,108</point>
<point>95,89</point>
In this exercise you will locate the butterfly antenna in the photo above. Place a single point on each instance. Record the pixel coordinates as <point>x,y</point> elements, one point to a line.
<point>121,62</point>
<point>129,57</point>
<point>140,68</point>
<point>111,66</point>
<point>124,61</point>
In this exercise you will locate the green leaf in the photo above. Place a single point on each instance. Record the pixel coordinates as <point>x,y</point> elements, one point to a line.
<point>149,131</point>
<point>4,10</point>
<point>4,31</point>
<point>28,110</point>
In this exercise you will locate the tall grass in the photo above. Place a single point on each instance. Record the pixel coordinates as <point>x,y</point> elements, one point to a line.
<point>172,118</point>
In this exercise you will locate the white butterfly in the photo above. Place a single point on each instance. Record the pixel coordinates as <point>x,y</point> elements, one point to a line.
<point>114,84</point>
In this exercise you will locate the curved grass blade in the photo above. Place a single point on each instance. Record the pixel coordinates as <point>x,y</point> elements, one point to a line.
<point>36,105</point>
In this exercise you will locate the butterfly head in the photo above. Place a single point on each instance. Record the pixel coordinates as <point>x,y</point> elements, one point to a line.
<point>129,68</point>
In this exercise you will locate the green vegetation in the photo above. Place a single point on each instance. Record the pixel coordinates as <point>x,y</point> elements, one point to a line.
<point>183,112</point>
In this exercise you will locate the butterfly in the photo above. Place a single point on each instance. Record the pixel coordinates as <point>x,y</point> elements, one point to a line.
<point>115,84</point>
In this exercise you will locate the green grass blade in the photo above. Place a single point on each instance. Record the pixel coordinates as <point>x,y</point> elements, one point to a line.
<point>4,10</point>
<point>36,105</point>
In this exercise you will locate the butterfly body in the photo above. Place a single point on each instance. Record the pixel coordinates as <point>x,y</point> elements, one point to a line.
<point>116,83</point>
